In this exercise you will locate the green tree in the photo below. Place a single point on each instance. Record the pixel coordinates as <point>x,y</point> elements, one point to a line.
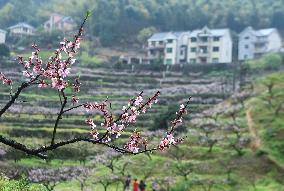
<point>4,51</point>
<point>145,33</point>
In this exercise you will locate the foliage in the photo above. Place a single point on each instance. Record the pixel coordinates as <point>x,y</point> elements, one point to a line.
<point>268,109</point>
<point>117,22</point>
<point>4,50</point>
<point>268,62</point>
<point>48,39</point>
<point>54,73</point>
<point>162,121</point>
<point>89,60</point>
<point>145,33</point>
<point>51,177</point>
<point>23,184</point>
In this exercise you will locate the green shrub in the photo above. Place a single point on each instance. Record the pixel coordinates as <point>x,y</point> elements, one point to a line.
<point>4,50</point>
<point>23,184</point>
<point>268,62</point>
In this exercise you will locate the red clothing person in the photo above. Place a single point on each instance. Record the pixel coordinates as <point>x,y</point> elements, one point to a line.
<point>135,185</point>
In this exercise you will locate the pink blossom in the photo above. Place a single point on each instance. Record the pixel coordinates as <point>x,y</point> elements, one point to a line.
<point>42,84</point>
<point>37,68</point>
<point>48,73</point>
<point>76,85</point>
<point>75,99</point>
<point>91,123</point>
<point>72,61</point>
<point>27,74</point>
<point>135,142</point>
<point>58,83</point>
<point>144,109</point>
<point>167,141</point>
<point>5,80</point>
<point>94,134</point>
<point>95,106</point>
<point>64,72</point>
<point>33,55</point>
<point>138,100</point>
<point>27,64</point>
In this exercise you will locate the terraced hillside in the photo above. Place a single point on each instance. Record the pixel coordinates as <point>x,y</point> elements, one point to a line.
<point>36,109</point>
<point>227,147</point>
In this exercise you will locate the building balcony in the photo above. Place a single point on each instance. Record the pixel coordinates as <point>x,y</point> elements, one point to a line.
<point>261,41</point>
<point>155,56</point>
<point>156,47</point>
<point>262,49</point>
<point>203,43</point>
<point>203,53</point>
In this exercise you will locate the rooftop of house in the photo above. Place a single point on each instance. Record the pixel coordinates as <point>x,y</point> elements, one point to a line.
<point>61,18</point>
<point>265,32</point>
<point>2,31</point>
<point>260,32</point>
<point>19,25</point>
<point>67,19</point>
<point>213,32</point>
<point>166,35</point>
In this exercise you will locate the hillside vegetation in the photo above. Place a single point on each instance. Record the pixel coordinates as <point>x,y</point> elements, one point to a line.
<point>233,142</point>
<point>128,21</point>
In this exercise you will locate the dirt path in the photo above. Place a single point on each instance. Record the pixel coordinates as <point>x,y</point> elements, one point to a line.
<point>256,141</point>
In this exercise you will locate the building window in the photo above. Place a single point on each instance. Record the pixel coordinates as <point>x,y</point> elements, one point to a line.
<point>170,41</point>
<point>153,43</point>
<point>203,60</point>
<point>160,42</point>
<point>215,49</point>
<point>216,38</point>
<point>246,57</point>
<point>203,49</point>
<point>192,60</point>
<point>193,39</point>
<point>169,50</point>
<point>247,37</point>
<point>193,49</point>
<point>204,39</point>
<point>215,60</point>
<point>169,61</point>
<point>152,52</point>
<point>246,46</point>
<point>181,52</point>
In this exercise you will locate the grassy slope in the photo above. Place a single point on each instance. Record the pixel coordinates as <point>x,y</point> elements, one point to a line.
<point>270,126</point>
<point>263,170</point>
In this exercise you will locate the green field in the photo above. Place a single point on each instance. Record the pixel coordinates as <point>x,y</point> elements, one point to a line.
<point>233,163</point>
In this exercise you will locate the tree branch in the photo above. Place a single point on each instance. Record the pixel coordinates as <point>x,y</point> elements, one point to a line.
<point>13,98</point>
<point>59,116</point>
<point>38,151</point>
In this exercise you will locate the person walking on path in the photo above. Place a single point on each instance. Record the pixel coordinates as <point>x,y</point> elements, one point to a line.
<point>127,183</point>
<point>135,185</point>
<point>142,185</point>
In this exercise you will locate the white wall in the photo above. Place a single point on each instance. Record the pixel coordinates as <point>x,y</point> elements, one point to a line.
<point>226,48</point>
<point>2,37</point>
<point>274,42</point>
<point>172,55</point>
<point>241,46</point>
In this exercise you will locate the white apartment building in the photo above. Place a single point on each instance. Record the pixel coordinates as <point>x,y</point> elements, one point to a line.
<point>199,46</point>
<point>210,46</point>
<point>2,36</point>
<point>255,43</point>
<point>22,29</point>
<point>168,47</point>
